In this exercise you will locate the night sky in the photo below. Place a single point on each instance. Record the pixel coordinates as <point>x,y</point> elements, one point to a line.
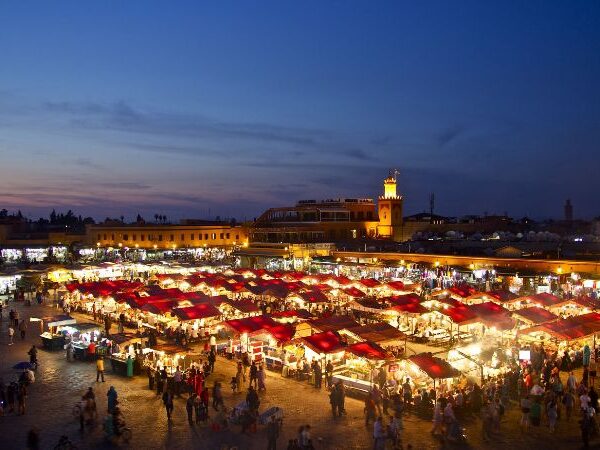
<point>192,109</point>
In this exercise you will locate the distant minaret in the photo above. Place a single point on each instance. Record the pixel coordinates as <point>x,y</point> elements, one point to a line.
<point>431,205</point>
<point>390,209</point>
<point>568,211</point>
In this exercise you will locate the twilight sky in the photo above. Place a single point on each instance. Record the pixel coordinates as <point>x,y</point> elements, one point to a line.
<point>197,109</point>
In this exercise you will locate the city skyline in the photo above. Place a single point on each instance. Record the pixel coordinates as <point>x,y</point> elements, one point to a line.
<point>234,109</point>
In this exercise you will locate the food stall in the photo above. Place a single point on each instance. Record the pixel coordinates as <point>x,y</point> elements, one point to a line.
<point>126,354</point>
<point>425,370</point>
<point>53,339</point>
<point>361,364</point>
<point>83,337</point>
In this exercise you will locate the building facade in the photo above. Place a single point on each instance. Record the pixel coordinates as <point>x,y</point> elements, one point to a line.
<point>332,220</point>
<point>166,236</point>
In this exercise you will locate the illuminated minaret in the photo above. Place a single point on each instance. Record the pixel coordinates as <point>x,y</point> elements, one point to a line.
<point>390,209</point>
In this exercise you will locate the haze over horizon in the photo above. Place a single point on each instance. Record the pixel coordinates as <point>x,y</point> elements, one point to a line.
<point>114,109</point>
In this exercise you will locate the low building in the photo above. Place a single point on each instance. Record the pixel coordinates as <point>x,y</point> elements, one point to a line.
<point>166,236</point>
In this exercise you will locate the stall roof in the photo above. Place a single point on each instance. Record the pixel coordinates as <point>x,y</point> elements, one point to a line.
<point>377,332</point>
<point>433,366</point>
<point>576,327</point>
<point>460,314</point>
<point>244,305</point>
<point>535,315</point>
<point>313,296</point>
<point>396,285</point>
<point>159,307</point>
<point>369,282</point>
<point>56,321</point>
<point>463,291</point>
<point>544,299</point>
<point>354,292</point>
<point>250,324</point>
<point>501,295</point>
<point>333,323</point>
<point>282,333</point>
<point>325,342</point>
<point>198,311</point>
<point>300,313</point>
<point>409,308</point>
<point>404,299</point>
<point>368,350</point>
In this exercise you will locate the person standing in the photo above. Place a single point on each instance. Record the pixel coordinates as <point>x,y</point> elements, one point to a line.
<point>11,334</point>
<point>100,369</point>
<point>328,374</point>
<point>168,402</point>
<point>177,382</point>
<point>272,434</point>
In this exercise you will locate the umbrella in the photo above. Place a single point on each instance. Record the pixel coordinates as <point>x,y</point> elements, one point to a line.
<point>23,365</point>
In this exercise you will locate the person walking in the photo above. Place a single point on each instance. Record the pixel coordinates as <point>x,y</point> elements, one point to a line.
<point>272,434</point>
<point>334,400</point>
<point>253,375</point>
<point>212,357</point>
<point>379,434</point>
<point>111,399</point>
<point>217,396</point>
<point>23,329</point>
<point>262,376</point>
<point>100,369</point>
<point>11,334</point>
<point>168,402</point>
<point>189,407</point>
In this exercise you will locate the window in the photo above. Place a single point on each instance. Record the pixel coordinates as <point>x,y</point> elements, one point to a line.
<point>192,237</point>
<point>125,237</point>
<point>112,237</point>
<point>99,237</point>
<point>172,237</point>
<point>214,236</point>
<point>237,237</point>
<point>134,237</point>
<point>206,236</point>
<point>104,236</point>
<point>160,237</point>
<point>199,236</point>
<point>221,236</point>
<point>182,237</point>
<point>227,235</point>
<point>142,237</point>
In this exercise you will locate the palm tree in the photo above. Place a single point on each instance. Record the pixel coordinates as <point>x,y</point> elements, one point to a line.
<point>156,218</point>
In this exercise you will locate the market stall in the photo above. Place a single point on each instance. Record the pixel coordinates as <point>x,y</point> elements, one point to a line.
<point>53,339</point>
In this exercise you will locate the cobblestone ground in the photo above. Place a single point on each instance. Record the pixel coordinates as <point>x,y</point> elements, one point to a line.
<point>59,384</point>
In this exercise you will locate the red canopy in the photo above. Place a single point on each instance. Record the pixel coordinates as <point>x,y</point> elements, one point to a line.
<point>462,290</point>
<point>199,311</point>
<point>326,342</point>
<point>396,285</point>
<point>535,315</point>
<point>333,323</point>
<point>435,367</point>
<point>368,350</point>
<point>282,333</point>
<point>250,324</point>
<point>409,308</point>
<point>245,306</point>
<point>313,296</point>
<point>404,299</point>
<point>369,282</point>
<point>159,307</point>
<point>501,295</point>
<point>354,292</point>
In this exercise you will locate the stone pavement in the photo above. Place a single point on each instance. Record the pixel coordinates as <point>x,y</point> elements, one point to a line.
<point>59,384</point>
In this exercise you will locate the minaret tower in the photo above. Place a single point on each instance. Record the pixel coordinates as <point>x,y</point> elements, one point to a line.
<point>390,209</point>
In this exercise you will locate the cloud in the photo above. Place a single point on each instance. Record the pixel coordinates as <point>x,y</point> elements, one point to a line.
<point>86,162</point>
<point>448,135</point>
